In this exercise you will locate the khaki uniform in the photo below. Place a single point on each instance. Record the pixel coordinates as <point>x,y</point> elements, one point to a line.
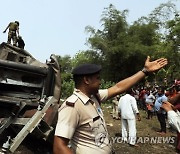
<point>81,120</point>
<point>13,27</point>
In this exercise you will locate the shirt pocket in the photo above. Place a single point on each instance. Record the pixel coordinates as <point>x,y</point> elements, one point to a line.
<point>99,132</point>
<point>96,125</point>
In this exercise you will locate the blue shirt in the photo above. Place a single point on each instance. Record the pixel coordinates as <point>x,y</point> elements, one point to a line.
<point>159,101</point>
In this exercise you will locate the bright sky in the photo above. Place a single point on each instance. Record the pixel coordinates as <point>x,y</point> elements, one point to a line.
<point>58,26</point>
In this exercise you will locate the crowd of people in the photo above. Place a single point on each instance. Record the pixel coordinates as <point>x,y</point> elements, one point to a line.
<point>162,102</point>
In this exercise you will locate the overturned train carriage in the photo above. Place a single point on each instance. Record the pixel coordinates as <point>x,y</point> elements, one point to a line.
<point>29,94</point>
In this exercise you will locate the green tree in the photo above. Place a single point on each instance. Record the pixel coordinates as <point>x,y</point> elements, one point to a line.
<point>123,48</point>
<point>66,67</point>
<point>67,85</point>
<point>88,56</point>
<point>167,18</point>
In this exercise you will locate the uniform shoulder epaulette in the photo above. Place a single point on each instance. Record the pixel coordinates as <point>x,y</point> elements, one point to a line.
<point>71,100</point>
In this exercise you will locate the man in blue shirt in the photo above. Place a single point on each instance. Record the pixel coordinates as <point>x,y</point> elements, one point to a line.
<point>161,114</point>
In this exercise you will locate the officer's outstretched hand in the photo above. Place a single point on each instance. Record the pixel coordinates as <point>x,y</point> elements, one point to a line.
<point>155,65</point>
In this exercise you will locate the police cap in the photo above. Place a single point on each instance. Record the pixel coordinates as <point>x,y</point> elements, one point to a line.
<point>86,69</point>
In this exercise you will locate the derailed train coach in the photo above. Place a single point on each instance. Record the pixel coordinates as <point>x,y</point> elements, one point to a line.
<point>29,95</point>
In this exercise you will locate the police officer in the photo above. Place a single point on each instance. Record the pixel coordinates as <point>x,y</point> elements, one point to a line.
<point>80,118</point>
<point>13,32</point>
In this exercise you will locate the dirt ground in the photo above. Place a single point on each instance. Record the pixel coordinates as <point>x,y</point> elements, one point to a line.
<point>146,130</point>
<point>148,139</point>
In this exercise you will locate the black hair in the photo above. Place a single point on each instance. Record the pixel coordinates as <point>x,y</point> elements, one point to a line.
<point>129,91</point>
<point>162,88</point>
<point>77,80</point>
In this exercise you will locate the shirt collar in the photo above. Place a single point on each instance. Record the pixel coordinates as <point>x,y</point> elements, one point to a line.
<point>81,96</point>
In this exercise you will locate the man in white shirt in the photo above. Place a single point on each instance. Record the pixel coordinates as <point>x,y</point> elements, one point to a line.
<point>150,99</point>
<point>172,115</point>
<point>128,108</point>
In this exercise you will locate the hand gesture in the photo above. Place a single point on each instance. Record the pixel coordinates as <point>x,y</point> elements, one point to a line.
<point>155,65</point>
<point>167,106</point>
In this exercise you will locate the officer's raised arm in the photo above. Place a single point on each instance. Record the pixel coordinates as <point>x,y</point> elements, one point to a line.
<point>127,83</point>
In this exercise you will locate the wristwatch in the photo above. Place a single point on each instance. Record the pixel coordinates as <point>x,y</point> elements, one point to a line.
<point>145,71</point>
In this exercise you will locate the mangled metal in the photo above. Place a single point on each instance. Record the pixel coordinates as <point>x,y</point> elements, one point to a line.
<point>29,93</point>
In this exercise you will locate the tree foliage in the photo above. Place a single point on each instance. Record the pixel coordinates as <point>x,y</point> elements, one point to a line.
<point>88,56</point>
<point>122,48</point>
